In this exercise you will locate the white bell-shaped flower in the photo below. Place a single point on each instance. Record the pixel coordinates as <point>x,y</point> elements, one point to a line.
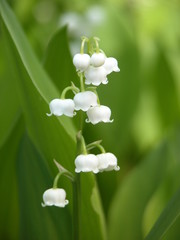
<point>111,65</point>
<point>84,100</point>
<point>107,162</point>
<point>86,163</point>
<point>81,61</point>
<point>99,114</point>
<point>59,107</point>
<point>97,59</point>
<point>95,76</point>
<point>56,197</point>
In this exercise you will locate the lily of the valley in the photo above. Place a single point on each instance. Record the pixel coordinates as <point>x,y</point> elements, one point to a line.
<point>107,162</point>
<point>97,59</point>
<point>84,100</point>
<point>81,61</point>
<point>86,163</point>
<point>95,75</point>
<point>55,197</point>
<point>59,107</point>
<point>98,114</point>
<point>111,65</point>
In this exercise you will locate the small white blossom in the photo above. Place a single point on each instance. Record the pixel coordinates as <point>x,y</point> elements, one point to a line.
<point>86,163</point>
<point>81,61</point>
<point>56,197</point>
<point>111,65</point>
<point>99,114</point>
<point>84,100</point>
<point>107,162</point>
<point>59,107</point>
<point>95,76</point>
<point>97,59</point>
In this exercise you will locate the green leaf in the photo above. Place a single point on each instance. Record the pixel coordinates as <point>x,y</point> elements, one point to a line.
<point>38,76</point>
<point>9,207</point>
<point>33,179</point>
<point>127,210</point>
<point>9,104</point>
<point>53,137</point>
<point>167,218</point>
<point>58,60</point>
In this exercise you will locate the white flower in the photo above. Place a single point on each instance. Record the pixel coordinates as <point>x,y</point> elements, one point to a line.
<point>107,162</point>
<point>59,107</point>
<point>111,65</point>
<point>55,196</point>
<point>85,100</point>
<point>81,61</point>
<point>97,59</point>
<point>99,114</point>
<point>86,163</point>
<point>95,76</point>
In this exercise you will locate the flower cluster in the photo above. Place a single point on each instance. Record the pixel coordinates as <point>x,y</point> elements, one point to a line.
<point>96,163</point>
<point>92,68</point>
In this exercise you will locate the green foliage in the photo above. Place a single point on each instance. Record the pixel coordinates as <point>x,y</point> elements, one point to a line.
<point>140,201</point>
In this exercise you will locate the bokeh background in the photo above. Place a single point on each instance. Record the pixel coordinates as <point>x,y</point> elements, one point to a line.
<point>144,36</point>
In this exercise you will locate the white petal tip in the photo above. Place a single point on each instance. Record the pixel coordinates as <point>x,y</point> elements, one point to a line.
<point>43,204</point>
<point>49,114</point>
<point>66,202</point>
<point>117,168</point>
<point>117,69</point>
<point>87,120</point>
<point>74,114</point>
<point>111,121</point>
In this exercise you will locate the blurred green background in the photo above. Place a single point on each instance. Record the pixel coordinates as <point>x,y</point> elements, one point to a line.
<point>144,36</point>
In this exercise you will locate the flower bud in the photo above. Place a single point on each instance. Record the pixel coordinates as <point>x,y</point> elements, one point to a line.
<point>81,61</point>
<point>84,100</point>
<point>59,107</point>
<point>86,163</point>
<point>56,197</point>
<point>99,114</point>
<point>97,59</point>
<point>111,65</point>
<point>95,76</point>
<point>107,162</point>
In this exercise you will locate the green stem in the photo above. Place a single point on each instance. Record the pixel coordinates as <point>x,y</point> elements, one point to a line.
<point>55,183</point>
<point>76,208</point>
<point>96,40</point>
<point>70,88</point>
<point>84,39</point>
<point>81,82</point>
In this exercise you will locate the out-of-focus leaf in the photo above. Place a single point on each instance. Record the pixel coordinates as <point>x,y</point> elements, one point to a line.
<point>9,208</point>
<point>9,105</point>
<point>58,64</point>
<point>126,213</point>
<point>51,138</point>
<point>166,92</point>
<point>38,76</point>
<point>33,179</point>
<point>58,60</point>
<point>167,218</point>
